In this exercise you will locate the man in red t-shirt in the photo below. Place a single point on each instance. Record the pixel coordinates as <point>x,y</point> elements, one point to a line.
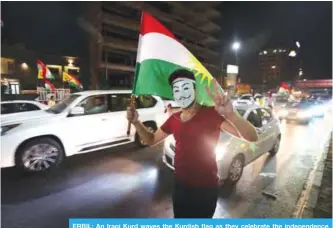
<point>196,129</point>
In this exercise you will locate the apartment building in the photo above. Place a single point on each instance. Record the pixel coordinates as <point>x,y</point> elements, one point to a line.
<point>276,65</point>
<point>113,48</point>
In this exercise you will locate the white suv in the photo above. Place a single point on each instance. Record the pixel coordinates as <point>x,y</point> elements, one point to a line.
<point>84,122</point>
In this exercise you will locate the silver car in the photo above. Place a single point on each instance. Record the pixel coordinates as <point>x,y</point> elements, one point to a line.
<point>232,153</point>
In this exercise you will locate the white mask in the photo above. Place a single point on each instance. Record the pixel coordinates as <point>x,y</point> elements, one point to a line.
<point>183,92</point>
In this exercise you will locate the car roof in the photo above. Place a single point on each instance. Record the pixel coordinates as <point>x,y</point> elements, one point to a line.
<point>19,101</point>
<point>245,107</point>
<point>97,92</point>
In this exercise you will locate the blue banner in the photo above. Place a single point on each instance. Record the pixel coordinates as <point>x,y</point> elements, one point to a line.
<point>200,223</point>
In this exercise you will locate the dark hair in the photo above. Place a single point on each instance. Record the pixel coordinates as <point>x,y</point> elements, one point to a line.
<point>181,73</point>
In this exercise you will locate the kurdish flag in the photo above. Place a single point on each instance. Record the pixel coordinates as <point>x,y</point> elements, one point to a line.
<point>72,81</point>
<point>43,71</point>
<point>49,86</point>
<point>159,55</point>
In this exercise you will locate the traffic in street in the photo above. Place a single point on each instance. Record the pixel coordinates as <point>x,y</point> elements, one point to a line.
<point>129,182</point>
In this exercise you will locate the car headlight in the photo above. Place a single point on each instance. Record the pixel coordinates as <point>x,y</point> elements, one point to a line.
<point>220,151</point>
<point>5,129</point>
<point>303,114</point>
<point>283,112</point>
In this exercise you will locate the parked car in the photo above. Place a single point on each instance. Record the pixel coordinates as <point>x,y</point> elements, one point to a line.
<point>232,153</point>
<point>84,122</point>
<point>17,108</point>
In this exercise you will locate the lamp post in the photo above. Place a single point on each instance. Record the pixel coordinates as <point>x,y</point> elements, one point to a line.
<point>236,46</point>
<point>300,70</point>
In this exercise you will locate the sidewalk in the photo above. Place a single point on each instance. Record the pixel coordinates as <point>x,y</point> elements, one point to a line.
<point>318,200</point>
<point>323,207</point>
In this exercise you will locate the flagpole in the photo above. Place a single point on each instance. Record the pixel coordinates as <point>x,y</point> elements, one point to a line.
<point>129,123</point>
<point>132,106</point>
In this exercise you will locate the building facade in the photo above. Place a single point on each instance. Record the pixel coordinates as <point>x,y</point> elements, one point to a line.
<point>19,68</point>
<point>276,65</point>
<point>115,31</point>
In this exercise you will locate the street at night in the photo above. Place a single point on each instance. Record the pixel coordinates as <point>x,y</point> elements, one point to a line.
<point>115,113</point>
<point>131,182</point>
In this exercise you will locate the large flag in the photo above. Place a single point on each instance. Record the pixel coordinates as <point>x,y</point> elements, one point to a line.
<point>49,86</point>
<point>159,55</point>
<point>43,71</point>
<point>72,81</point>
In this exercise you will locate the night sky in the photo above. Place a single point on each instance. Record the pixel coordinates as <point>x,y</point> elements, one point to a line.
<point>51,27</point>
<point>272,24</point>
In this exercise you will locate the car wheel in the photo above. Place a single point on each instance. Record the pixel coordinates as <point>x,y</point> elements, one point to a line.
<point>235,170</point>
<point>151,127</point>
<point>39,155</point>
<point>276,146</point>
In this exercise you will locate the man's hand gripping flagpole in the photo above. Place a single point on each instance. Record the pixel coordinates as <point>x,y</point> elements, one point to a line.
<point>132,106</point>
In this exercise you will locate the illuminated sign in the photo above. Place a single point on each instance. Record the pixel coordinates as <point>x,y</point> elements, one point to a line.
<point>232,69</point>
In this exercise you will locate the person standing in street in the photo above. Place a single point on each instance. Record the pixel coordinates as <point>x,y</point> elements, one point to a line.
<point>196,129</point>
<point>51,101</point>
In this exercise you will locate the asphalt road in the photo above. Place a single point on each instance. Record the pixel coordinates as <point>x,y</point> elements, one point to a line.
<point>131,182</point>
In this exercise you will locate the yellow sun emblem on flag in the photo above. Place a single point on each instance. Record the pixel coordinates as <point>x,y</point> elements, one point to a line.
<point>199,70</point>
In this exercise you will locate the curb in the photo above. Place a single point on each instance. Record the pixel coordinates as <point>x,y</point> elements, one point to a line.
<point>307,201</point>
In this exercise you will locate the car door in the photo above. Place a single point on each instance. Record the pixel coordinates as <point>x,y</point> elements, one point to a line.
<point>268,126</point>
<point>118,122</point>
<point>90,130</point>
<point>255,119</point>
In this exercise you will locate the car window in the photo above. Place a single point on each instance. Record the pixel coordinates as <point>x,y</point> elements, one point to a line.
<point>255,119</point>
<point>62,105</point>
<point>241,112</point>
<point>266,116</point>
<point>96,104</point>
<point>7,108</point>
<point>119,102</point>
<point>143,101</point>
<point>246,97</point>
<point>25,107</point>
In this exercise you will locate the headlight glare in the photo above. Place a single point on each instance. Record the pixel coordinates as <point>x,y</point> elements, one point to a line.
<point>283,112</point>
<point>220,151</point>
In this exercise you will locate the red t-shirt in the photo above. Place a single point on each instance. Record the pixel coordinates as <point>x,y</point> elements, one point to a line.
<point>196,139</point>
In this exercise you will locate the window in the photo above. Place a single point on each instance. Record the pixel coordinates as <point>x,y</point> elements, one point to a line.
<point>266,116</point>
<point>119,102</point>
<point>254,119</point>
<point>145,101</point>
<point>94,104</point>
<point>7,108</point>
<point>25,107</point>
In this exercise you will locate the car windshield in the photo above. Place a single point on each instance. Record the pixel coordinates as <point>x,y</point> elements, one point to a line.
<point>62,105</point>
<point>241,112</point>
<point>246,97</point>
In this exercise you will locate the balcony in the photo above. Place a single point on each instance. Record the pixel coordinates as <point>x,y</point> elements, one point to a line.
<point>120,44</point>
<point>117,67</point>
<point>172,20</point>
<point>120,21</point>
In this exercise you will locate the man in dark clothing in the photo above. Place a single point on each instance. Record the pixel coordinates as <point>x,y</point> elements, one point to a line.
<point>196,130</point>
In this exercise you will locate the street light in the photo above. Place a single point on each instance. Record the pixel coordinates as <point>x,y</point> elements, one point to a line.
<point>298,44</point>
<point>236,46</point>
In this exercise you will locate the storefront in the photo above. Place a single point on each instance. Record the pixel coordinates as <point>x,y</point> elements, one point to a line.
<point>10,86</point>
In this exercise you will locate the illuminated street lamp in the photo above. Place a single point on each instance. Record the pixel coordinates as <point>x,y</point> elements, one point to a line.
<point>292,53</point>
<point>298,44</point>
<point>236,46</point>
